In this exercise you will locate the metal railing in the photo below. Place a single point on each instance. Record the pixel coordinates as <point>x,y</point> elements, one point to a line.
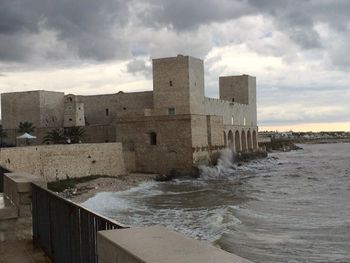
<point>64,230</point>
<point>2,173</point>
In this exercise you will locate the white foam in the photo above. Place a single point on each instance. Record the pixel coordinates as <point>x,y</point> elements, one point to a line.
<point>224,167</point>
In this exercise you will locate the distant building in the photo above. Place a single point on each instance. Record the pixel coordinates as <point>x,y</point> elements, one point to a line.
<point>172,128</point>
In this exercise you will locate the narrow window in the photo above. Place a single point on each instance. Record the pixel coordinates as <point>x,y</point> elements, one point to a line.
<point>233,99</point>
<point>232,120</point>
<point>107,112</point>
<point>70,119</point>
<point>170,83</point>
<point>70,99</point>
<point>171,111</point>
<point>244,121</point>
<point>152,138</point>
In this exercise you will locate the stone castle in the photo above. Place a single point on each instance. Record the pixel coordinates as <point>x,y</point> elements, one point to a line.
<point>172,128</point>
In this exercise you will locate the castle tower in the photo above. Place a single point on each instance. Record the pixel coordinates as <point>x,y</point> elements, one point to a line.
<point>239,89</point>
<point>73,112</point>
<point>178,86</point>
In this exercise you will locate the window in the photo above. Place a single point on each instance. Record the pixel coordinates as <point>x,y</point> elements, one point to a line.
<point>152,138</point>
<point>233,99</point>
<point>107,112</point>
<point>70,99</point>
<point>244,121</point>
<point>70,119</point>
<point>170,83</point>
<point>171,111</point>
<point>232,120</point>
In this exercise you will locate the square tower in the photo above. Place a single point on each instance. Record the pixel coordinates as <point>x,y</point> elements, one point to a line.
<point>178,86</point>
<point>73,112</point>
<point>238,89</point>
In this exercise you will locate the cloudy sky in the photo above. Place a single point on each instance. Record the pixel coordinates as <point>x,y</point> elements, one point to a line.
<point>298,50</point>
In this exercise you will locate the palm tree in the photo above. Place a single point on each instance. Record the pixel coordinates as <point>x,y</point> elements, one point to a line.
<point>25,127</point>
<point>74,134</point>
<point>3,134</point>
<point>55,136</point>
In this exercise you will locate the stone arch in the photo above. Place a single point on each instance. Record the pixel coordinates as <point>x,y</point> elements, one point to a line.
<point>255,140</point>
<point>249,140</point>
<point>230,139</point>
<point>225,139</point>
<point>237,142</point>
<point>244,141</point>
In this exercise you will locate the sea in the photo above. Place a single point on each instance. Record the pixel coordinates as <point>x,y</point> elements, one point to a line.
<point>291,207</point>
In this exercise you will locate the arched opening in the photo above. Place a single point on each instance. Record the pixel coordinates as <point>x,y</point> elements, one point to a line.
<point>230,139</point>
<point>237,142</point>
<point>225,139</point>
<point>152,138</point>
<point>255,141</point>
<point>249,139</point>
<point>244,141</point>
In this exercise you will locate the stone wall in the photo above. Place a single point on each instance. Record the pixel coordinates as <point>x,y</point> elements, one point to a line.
<point>104,109</point>
<point>171,148</point>
<point>232,113</point>
<point>52,162</point>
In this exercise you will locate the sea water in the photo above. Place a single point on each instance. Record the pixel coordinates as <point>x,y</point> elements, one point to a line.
<point>290,207</point>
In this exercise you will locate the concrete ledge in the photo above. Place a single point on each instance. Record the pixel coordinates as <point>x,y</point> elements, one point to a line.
<point>157,245</point>
<point>22,181</point>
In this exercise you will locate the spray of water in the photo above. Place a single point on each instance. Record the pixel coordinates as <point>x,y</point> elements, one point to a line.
<point>225,166</point>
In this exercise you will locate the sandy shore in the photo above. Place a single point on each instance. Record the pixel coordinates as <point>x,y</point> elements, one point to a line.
<point>86,190</point>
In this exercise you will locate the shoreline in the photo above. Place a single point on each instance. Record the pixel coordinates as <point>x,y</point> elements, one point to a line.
<point>84,191</point>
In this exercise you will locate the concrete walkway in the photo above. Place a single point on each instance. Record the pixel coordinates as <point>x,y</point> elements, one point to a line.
<point>21,252</point>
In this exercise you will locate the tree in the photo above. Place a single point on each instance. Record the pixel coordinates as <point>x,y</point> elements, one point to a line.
<point>55,136</point>
<point>75,134</point>
<point>25,127</point>
<point>3,135</point>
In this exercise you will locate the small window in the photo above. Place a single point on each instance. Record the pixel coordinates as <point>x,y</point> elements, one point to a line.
<point>70,99</point>
<point>107,112</point>
<point>233,99</point>
<point>170,83</point>
<point>70,119</point>
<point>152,138</point>
<point>79,108</point>
<point>244,121</point>
<point>171,111</point>
<point>232,120</point>
<point>124,108</point>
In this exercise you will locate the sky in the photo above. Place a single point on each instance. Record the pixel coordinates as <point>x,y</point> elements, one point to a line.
<point>298,50</point>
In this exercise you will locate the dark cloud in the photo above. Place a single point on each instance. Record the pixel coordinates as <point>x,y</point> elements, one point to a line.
<point>86,27</point>
<point>107,29</point>
<point>190,14</point>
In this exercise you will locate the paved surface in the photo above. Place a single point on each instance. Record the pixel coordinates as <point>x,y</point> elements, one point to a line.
<point>21,252</point>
